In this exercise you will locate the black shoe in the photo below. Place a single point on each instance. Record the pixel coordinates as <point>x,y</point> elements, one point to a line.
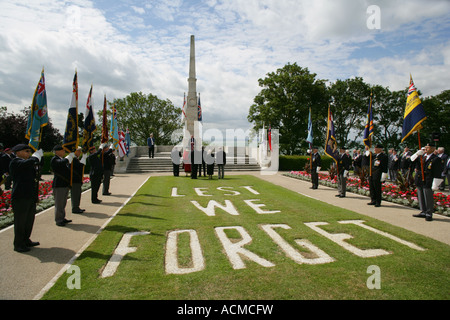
<point>20,249</point>
<point>60,224</point>
<point>371,203</point>
<point>429,217</point>
<point>420,215</point>
<point>97,201</point>
<point>67,221</point>
<point>338,195</point>
<point>32,243</point>
<point>341,196</point>
<point>77,211</point>
<point>377,205</point>
<point>107,194</point>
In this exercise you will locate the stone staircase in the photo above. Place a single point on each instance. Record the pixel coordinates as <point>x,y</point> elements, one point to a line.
<point>162,163</point>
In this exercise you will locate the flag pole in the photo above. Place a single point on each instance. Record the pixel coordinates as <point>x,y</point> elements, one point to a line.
<point>370,138</point>
<point>421,157</point>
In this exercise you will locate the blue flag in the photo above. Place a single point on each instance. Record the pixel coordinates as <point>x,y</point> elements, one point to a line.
<point>38,117</point>
<point>114,129</point>
<point>368,131</point>
<point>309,139</point>
<point>89,124</point>
<point>71,135</point>
<point>331,144</point>
<point>414,112</point>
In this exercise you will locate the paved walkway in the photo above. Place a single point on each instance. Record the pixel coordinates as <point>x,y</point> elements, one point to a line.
<point>29,275</point>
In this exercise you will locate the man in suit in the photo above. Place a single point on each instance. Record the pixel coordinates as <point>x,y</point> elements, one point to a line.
<point>405,161</point>
<point>61,183</point>
<point>108,162</point>
<point>221,160</point>
<point>316,164</point>
<point>151,146</point>
<point>176,160</point>
<point>379,175</point>
<point>432,170</point>
<point>24,194</point>
<point>77,167</point>
<point>96,173</point>
<point>444,157</point>
<point>343,167</point>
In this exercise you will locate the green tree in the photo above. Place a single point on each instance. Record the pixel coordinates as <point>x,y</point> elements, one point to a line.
<point>350,100</point>
<point>284,104</point>
<point>144,114</point>
<point>437,109</point>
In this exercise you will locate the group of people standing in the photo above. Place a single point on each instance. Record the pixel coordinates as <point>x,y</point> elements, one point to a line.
<point>429,167</point>
<point>24,172</point>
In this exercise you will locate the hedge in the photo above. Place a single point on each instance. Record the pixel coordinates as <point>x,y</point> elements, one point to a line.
<point>297,163</point>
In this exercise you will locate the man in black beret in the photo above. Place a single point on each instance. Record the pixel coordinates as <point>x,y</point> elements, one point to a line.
<point>61,183</point>
<point>316,162</point>
<point>24,195</point>
<point>379,174</point>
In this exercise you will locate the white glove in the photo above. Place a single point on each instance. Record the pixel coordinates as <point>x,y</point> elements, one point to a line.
<point>436,183</point>
<point>383,176</point>
<point>70,157</point>
<point>38,154</point>
<point>346,173</point>
<point>417,154</point>
<point>367,153</point>
<point>83,159</point>
<point>318,169</point>
<point>308,151</point>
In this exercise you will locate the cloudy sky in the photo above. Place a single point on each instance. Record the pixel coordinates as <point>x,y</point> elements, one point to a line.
<point>132,45</point>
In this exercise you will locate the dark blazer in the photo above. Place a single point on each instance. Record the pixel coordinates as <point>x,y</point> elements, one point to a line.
<point>77,171</point>
<point>24,176</point>
<point>379,165</point>
<point>432,168</point>
<point>95,161</point>
<point>316,161</point>
<point>344,163</point>
<point>108,160</point>
<point>61,171</point>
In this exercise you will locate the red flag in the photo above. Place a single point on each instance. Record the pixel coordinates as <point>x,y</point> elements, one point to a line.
<point>105,136</point>
<point>269,133</point>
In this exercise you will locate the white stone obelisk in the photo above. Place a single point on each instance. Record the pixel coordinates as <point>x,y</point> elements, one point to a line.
<point>192,127</point>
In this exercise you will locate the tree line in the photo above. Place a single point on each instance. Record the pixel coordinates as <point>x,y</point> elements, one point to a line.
<point>288,93</point>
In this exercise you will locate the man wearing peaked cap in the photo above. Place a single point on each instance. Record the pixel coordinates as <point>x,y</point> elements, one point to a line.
<point>24,195</point>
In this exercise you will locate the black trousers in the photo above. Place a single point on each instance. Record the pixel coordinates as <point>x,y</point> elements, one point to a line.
<point>24,213</point>
<point>151,152</point>
<point>96,181</point>
<point>375,189</point>
<point>314,178</point>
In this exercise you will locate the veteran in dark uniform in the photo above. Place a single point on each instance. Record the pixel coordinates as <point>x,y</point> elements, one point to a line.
<point>343,167</point>
<point>316,164</point>
<point>96,173</point>
<point>108,163</point>
<point>379,174</point>
<point>77,167</point>
<point>24,195</point>
<point>176,160</point>
<point>61,183</point>
<point>432,166</point>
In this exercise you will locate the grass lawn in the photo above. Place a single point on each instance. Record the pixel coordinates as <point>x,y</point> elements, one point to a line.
<point>404,272</point>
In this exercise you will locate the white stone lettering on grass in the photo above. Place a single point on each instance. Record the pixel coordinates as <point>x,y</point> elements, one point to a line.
<point>201,193</point>
<point>385,234</point>
<point>172,266</point>
<point>322,257</point>
<point>210,210</point>
<point>233,250</point>
<point>249,188</point>
<point>175,193</point>
<point>339,239</point>
<point>257,206</point>
<point>235,193</point>
<point>121,250</point>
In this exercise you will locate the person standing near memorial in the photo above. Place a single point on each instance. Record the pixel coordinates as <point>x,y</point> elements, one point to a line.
<point>221,160</point>
<point>379,175</point>
<point>24,194</point>
<point>151,146</point>
<point>61,183</point>
<point>343,167</point>
<point>108,162</point>
<point>77,168</point>
<point>316,164</point>
<point>432,170</point>
<point>96,173</point>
